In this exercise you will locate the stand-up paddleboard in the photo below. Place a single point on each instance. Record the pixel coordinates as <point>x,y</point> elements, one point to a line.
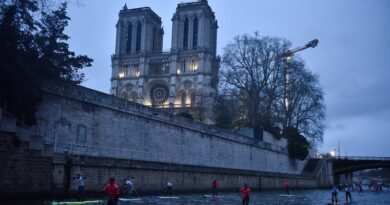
<point>286,195</point>
<point>130,199</point>
<point>341,203</point>
<point>95,202</point>
<point>167,197</point>
<point>207,195</point>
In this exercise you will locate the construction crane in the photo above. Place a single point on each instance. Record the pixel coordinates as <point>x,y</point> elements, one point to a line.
<point>311,44</point>
<point>287,57</point>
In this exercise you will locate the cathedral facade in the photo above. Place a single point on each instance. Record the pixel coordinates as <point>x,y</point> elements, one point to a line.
<point>183,79</point>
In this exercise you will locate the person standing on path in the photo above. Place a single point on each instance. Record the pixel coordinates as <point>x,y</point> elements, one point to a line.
<point>112,190</point>
<point>80,181</point>
<point>245,193</point>
<point>214,187</point>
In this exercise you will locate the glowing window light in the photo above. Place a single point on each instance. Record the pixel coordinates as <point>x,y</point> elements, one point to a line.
<point>121,75</point>
<point>194,65</point>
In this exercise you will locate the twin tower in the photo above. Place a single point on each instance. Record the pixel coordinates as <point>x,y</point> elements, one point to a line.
<point>181,80</point>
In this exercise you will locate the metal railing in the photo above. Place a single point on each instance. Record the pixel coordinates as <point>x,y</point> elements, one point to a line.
<point>362,158</point>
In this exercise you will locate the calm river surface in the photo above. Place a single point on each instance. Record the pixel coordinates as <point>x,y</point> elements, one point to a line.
<point>303,197</point>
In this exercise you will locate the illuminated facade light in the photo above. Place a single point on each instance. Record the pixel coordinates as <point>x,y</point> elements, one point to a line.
<point>194,65</point>
<point>178,71</point>
<point>121,75</point>
<point>288,58</point>
<point>137,73</point>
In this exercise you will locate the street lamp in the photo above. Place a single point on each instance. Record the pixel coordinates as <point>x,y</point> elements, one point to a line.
<point>332,153</point>
<point>288,57</point>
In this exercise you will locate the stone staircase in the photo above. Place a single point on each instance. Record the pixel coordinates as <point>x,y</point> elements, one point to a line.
<point>313,167</point>
<point>10,124</point>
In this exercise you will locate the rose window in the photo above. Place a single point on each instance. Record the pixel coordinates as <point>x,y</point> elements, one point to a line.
<point>159,94</point>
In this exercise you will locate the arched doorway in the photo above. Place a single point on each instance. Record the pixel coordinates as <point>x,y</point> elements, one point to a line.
<point>183,98</point>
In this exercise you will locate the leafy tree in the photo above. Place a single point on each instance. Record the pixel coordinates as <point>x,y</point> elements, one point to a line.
<point>222,114</point>
<point>298,146</point>
<point>33,51</point>
<point>60,63</point>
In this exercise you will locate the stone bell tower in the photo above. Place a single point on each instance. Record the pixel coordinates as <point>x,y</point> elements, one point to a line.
<point>182,80</point>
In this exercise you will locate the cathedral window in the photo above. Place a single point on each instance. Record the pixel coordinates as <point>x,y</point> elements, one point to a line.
<point>159,95</point>
<point>154,39</point>
<point>139,32</point>
<point>195,34</point>
<point>129,38</point>
<point>194,65</point>
<point>182,67</point>
<point>185,37</point>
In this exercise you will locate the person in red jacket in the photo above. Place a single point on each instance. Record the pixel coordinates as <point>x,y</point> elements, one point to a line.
<point>286,187</point>
<point>245,193</point>
<point>112,190</point>
<point>214,187</point>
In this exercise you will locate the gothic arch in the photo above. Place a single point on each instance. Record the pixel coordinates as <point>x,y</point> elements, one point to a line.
<point>126,90</point>
<point>154,38</point>
<point>138,37</point>
<point>195,32</point>
<point>185,33</point>
<point>133,96</point>
<point>129,37</point>
<point>183,99</point>
<point>186,87</point>
<point>192,96</point>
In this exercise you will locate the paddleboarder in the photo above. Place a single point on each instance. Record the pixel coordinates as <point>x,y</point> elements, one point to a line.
<point>245,193</point>
<point>112,190</point>
<point>286,186</point>
<point>80,181</point>
<point>214,187</point>
<point>334,191</point>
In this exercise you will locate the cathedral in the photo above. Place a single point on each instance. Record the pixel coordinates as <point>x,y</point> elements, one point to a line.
<point>181,80</point>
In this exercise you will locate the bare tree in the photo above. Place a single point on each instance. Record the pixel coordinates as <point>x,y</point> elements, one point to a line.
<point>254,66</point>
<point>307,109</point>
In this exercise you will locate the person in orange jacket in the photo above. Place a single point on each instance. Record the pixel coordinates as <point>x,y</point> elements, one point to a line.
<point>112,190</point>
<point>245,193</point>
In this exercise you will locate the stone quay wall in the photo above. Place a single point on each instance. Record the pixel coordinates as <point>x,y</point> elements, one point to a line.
<point>80,130</point>
<point>82,121</point>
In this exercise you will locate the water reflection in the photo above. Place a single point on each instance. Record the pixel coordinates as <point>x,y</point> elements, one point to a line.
<point>303,197</point>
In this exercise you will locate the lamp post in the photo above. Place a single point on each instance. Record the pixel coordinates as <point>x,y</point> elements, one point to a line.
<point>287,58</point>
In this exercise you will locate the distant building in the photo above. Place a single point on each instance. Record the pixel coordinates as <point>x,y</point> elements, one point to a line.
<point>183,79</point>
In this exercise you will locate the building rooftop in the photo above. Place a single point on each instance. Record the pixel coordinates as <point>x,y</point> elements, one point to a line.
<point>146,10</point>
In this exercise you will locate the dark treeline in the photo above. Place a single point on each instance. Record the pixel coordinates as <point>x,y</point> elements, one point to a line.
<point>34,49</point>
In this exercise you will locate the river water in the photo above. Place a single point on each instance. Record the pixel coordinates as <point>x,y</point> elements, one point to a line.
<point>302,197</point>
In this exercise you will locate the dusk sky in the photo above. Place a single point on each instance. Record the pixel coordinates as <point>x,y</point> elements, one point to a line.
<point>352,58</point>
